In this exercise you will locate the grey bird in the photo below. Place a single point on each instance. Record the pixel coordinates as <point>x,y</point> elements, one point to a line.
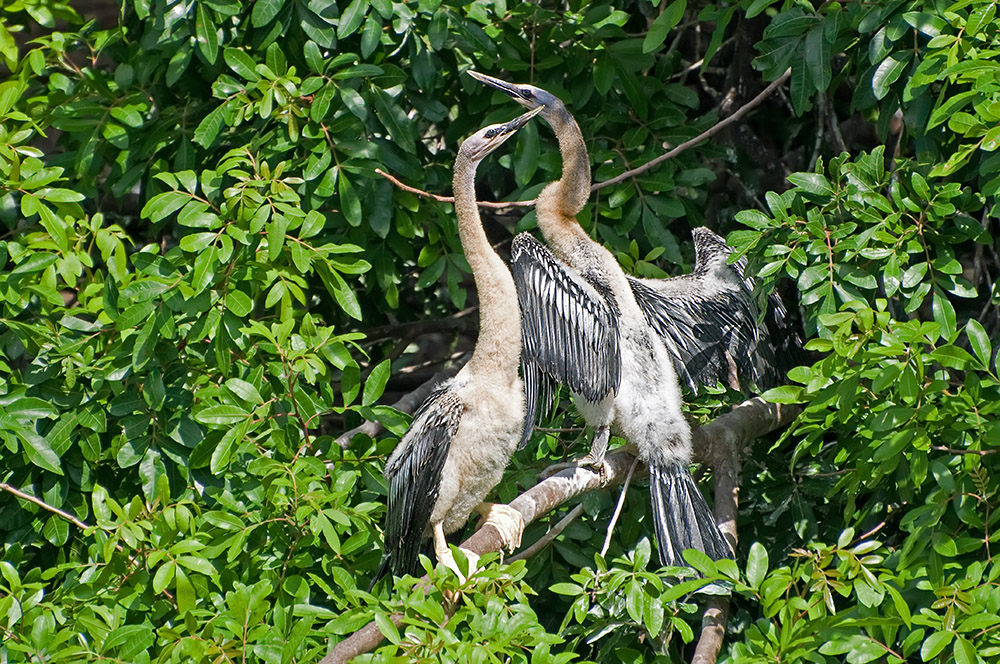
<point>464,434</point>
<point>621,344</point>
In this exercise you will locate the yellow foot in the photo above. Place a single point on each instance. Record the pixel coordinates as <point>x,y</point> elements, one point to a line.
<point>506,520</point>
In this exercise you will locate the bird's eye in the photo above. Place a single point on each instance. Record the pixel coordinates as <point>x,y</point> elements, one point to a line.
<point>490,133</point>
<point>525,92</point>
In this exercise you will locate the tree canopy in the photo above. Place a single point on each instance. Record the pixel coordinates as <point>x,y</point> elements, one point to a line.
<point>205,283</point>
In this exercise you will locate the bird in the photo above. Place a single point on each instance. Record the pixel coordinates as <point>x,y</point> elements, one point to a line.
<point>462,437</point>
<point>621,344</point>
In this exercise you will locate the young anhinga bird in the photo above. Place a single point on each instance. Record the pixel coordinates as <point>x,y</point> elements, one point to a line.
<point>615,340</point>
<point>464,434</point>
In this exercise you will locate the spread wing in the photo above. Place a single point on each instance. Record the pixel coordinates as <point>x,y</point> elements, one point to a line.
<point>713,336</point>
<point>414,474</point>
<point>569,330</point>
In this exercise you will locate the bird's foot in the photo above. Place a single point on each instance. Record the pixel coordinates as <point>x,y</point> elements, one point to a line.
<point>506,520</point>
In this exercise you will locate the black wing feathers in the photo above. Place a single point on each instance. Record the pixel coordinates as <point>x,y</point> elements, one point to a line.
<point>569,333</point>
<point>414,476</point>
<point>708,335</point>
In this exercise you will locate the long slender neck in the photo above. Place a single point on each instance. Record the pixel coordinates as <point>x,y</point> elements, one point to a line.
<point>562,200</point>
<point>498,348</point>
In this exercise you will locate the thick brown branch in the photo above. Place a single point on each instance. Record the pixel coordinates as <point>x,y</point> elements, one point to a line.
<point>731,431</point>
<point>705,135</point>
<point>44,505</point>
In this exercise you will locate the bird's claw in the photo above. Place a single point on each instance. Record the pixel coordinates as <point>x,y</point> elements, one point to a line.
<point>507,521</point>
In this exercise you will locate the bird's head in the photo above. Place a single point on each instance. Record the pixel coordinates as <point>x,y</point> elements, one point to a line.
<point>488,139</point>
<point>709,247</point>
<point>526,95</point>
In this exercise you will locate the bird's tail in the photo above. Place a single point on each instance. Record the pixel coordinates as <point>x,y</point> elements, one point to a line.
<point>682,517</point>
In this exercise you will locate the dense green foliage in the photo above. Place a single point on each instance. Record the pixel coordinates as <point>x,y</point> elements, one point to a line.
<point>203,281</point>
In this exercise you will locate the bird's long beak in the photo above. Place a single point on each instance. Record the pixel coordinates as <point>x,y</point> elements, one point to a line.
<point>523,97</point>
<point>496,135</point>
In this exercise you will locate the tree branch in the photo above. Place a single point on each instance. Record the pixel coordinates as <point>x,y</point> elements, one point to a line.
<point>705,135</point>
<point>548,537</point>
<point>722,440</point>
<point>44,505</point>
<point>731,431</point>
<point>407,404</point>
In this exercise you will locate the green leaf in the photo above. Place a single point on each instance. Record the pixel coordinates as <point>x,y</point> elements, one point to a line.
<point>241,63</point>
<point>162,205</point>
<point>965,651</point>
<point>888,72</point>
<point>351,19</point>
<point>394,120</point>
<point>944,315</point>
<point>264,12</point>
<point>979,340</point>
<point>757,562</point>
<point>244,390</point>
<point>818,55</point>
<point>934,644</point>
<point>813,183</point>
<point>38,450</point>
<point>208,129</point>
<point>36,262</point>
<point>385,625</point>
<point>224,450</point>
<point>662,25</point>
<point>186,596</point>
<point>205,32</point>
<point>221,414</point>
<point>375,384</point>
<point>349,202</point>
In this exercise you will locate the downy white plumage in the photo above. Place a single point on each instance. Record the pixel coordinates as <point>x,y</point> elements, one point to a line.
<point>615,340</point>
<point>464,434</point>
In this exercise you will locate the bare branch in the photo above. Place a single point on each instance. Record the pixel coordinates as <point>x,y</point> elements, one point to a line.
<point>618,508</point>
<point>448,199</point>
<point>550,536</point>
<point>708,133</point>
<point>44,505</point>
<point>720,442</point>
<point>731,431</point>
<point>705,135</point>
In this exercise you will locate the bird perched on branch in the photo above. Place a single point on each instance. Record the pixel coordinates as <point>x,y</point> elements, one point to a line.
<point>464,434</point>
<point>615,340</point>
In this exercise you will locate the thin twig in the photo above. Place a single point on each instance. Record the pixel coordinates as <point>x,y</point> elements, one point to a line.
<point>951,450</point>
<point>708,133</point>
<point>618,508</point>
<point>597,186</point>
<point>44,505</point>
<point>446,199</point>
<point>550,536</point>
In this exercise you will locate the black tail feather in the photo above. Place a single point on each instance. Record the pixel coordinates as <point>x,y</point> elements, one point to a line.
<point>682,517</point>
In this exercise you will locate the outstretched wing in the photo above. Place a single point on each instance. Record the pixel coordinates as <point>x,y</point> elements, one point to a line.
<point>414,474</point>
<point>713,336</point>
<point>569,330</point>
